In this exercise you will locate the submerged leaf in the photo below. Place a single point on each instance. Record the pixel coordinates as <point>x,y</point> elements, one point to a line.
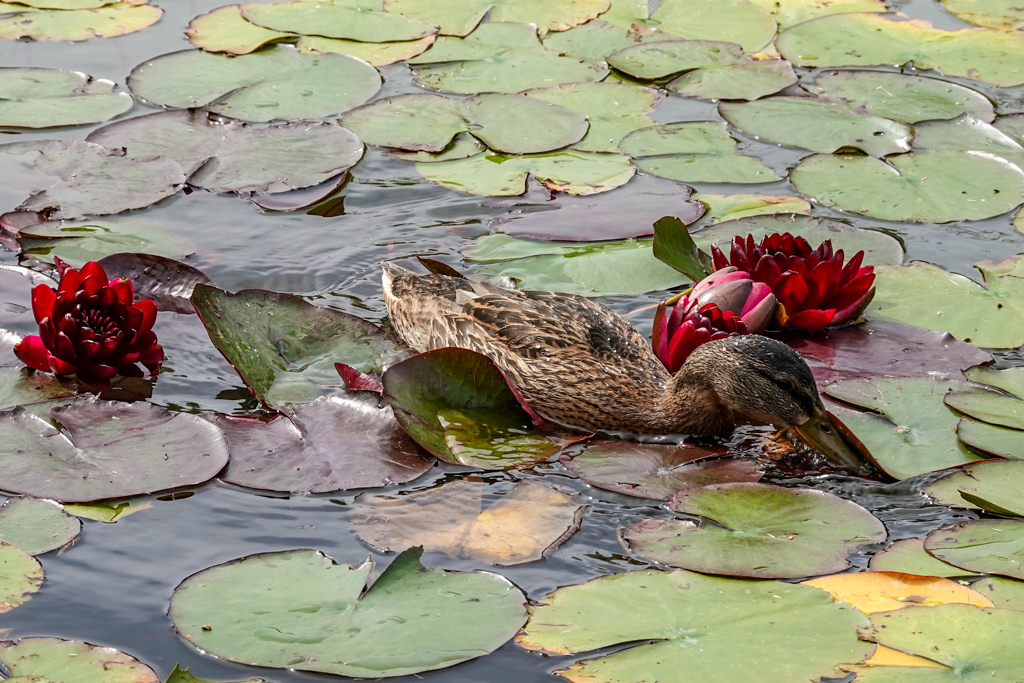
<point>21,576</point>
<point>78,242</point>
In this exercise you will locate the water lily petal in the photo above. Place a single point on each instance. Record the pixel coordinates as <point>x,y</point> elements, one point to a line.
<point>43,298</point>
<point>812,320</point>
<point>33,353</point>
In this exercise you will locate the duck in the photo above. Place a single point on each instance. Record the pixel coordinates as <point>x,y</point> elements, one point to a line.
<point>579,364</point>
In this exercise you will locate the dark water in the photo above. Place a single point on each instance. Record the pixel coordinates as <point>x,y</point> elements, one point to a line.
<point>113,586</point>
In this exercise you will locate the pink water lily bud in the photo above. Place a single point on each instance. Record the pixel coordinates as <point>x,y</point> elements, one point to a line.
<point>734,292</point>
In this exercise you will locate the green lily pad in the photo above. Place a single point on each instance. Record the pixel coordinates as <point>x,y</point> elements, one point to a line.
<point>498,57</point>
<point>1003,592</point>
<point>595,40</point>
<point>107,449</point>
<point>21,576</point>
<point>993,485</point>
<point>989,546</point>
<point>925,295</point>
<point>1000,441</point>
<point>458,19</point>
<point>78,242</point>
<point>723,207</point>
<point>523,525</point>
<point>53,659</point>
<point>462,146</point>
<point>872,39</point>
<point>299,451</point>
<point>67,4</point>
<point>748,80</point>
<point>790,12</point>
<point>686,622</point>
<point>278,83</point>
<point>760,531</point>
<point>1002,14</point>
<point>911,431</point>
<point>37,526</point>
<point>909,557</point>
<point>929,187</point>
<point>817,125</point>
<point>694,151</point>
<point>226,30</point>
<point>375,54</point>
<point>458,405</point>
<point>967,134</point>
<point>1004,409</point>
<point>284,348</point>
<point>491,174</point>
<point>179,675</point>
<point>736,21</point>
<point>513,124</point>
<point>900,97</point>
<point>233,157</point>
<point>674,246</point>
<point>110,511</point>
<point>20,386</point>
<point>297,609</point>
<point>105,22</point>
<point>613,110</point>
<point>43,98</point>
<point>72,179</point>
<point>654,470</point>
<point>335,20</point>
<point>1012,125</point>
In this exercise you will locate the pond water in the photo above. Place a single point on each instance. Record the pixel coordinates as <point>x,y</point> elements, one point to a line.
<point>113,586</point>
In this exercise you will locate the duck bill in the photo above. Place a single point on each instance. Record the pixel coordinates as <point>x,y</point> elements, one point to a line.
<point>831,437</point>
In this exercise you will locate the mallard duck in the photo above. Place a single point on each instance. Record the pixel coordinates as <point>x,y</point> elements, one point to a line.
<point>579,364</point>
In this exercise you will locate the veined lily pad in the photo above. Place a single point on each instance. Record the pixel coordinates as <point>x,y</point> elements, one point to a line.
<point>331,444</point>
<point>911,431</point>
<point>285,348</point>
<point>869,39</point>
<point>226,30</point>
<point>930,187</point>
<point>513,124</point>
<point>461,519</point>
<point>336,20</point>
<point>272,84</point>
<point>993,486</point>
<point>909,557</point>
<point>900,97</point>
<point>683,621</point>
<point>694,151</point>
<point>790,12</point>
<point>409,620</point>
<point>78,242</point>
<point>72,179</point>
<point>165,282</point>
<point>458,19</point>
<point>737,21</point>
<point>1004,14</point>
<point>53,659</point>
<point>42,98</point>
<point>877,591</point>
<point>233,157</point>
<point>612,109</point>
<point>498,57</point>
<point>108,449</point>
<point>21,575</point>
<point>36,526</point>
<point>817,125</point>
<point>491,174</point>
<point>760,531</point>
<point>1003,592</point>
<point>375,54</point>
<point>967,134</point>
<point>989,546</point>
<point>457,405</point>
<point>723,207</point>
<point>656,471</point>
<point>925,295</point>
<point>104,22</point>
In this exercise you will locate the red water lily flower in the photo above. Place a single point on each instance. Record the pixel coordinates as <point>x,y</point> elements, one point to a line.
<point>92,328</point>
<point>813,287</point>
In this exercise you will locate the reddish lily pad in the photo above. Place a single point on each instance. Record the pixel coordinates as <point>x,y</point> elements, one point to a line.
<point>458,405</point>
<point>656,471</point>
<point>84,24</point>
<point>460,519</point>
<point>285,348</point>
<point>53,659</point>
<point>909,557</point>
<point>993,485</point>
<point>42,98</point>
<point>165,282</point>
<point>760,531</point>
<point>989,546</point>
<point>227,156</point>
<point>334,443</point>
<point>21,576</point>
<point>37,526</point>
<point>107,449</point>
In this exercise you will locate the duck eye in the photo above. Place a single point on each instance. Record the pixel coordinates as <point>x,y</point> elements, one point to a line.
<point>784,384</point>
<point>825,429</point>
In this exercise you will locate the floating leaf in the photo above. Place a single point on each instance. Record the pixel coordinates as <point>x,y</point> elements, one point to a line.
<point>656,471</point>
<point>112,510</point>
<point>460,519</point>
<point>331,444</point>
<point>458,19</point>
<point>992,485</point>
<point>910,431</point>
<point>817,125</point>
<point>1005,593</point>
<point>70,4</point>
<point>20,386</point>
<point>457,405</point>
<point>790,12</point>
<point>105,22</point>
<point>595,40</point>
<point>927,187</point>
<point>737,21</point>
<point>613,110</point>
<point>876,591</point>
<point>1000,441</point>
<point>180,675</point>
<point>871,39</point>
<point>989,546</point>
<point>53,659</point>
<point>409,620</point>
<point>1012,125</point>
<point>1003,14</point>
<point>1005,409</point>
<point>900,97</point>
<point>967,134</point>
<point>748,80</point>
<point>107,449</point>
<point>925,295</point>
<point>909,557</point>
<point>42,98</point>
<point>514,124</point>
<point>760,531</point>
<point>72,179</point>
<point>375,54</point>
<point>226,30</point>
<point>21,576</point>
<point>694,151</point>
<point>674,246</point>
<point>165,282</point>
<point>336,20</point>
<point>490,174</point>
<point>498,57</point>
<point>278,83</point>
<point>78,242</point>
<point>36,526</point>
<point>686,622</point>
<point>284,348</point>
